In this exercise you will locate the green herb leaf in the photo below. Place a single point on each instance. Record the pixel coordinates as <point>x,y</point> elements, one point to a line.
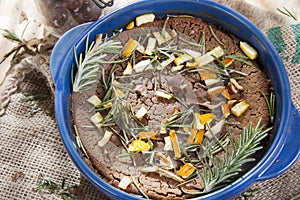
<point>223,170</point>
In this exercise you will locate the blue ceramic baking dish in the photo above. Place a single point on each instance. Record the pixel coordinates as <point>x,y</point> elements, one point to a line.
<point>284,148</point>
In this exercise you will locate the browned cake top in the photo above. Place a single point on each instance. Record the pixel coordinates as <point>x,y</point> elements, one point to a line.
<point>158,102</point>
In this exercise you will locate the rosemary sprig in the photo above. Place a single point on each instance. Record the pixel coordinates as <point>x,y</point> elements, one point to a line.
<point>248,194</point>
<point>288,13</point>
<point>139,189</point>
<point>240,58</point>
<point>88,67</point>
<point>79,142</point>
<point>34,101</point>
<point>224,170</point>
<point>37,98</point>
<point>47,185</point>
<point>11,35</point>
<point>119,114</point>
<point>215,36</point>
<point>271,105</point>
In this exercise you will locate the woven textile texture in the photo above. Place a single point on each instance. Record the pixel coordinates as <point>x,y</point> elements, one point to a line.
<point>30,143</point>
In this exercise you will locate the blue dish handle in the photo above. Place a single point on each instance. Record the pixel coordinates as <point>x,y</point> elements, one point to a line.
<point>290,151</point>
<point>62,47</point>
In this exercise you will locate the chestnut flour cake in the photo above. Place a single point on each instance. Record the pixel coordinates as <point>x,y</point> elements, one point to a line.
<point>172,103</point>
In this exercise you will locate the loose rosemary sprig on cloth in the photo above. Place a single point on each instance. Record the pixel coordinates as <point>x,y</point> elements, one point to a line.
<point>226,168</point>
<point>288,13</point>
<point>47,185</point>
<point>14,37</point>
<point>89,63</point>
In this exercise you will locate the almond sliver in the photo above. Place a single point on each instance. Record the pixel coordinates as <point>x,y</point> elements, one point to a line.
<point>145,18</point>
<point>105,139</point>
<point>248,50</point>
<point>129,47</point>
<point>146,135</point>
<point>125,182</point>
<point>239,108</point>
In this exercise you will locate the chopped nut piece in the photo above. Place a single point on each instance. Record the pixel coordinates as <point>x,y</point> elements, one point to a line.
<point>140,48</point>
<point>236,84</point>
<point>216,129</point>
<point>163,128</point>
<point>226,94</point>
<point>231,102</point>
<point>173,33</point>
<point>125,182</point>
<point>130,25</point>
<point>215,90</point>
<point>137,146</point>
<point>159,38</point>
<point>128,70</point>
<point>129,47</point>
<point>194,54</point>
<point>182,59</point>
<point>231,88</point>
<point>198,125</point>
<point>150,46</point>
<point>239,108</point>
<point>173,116</point>
<point>225,110</point>
<point>162,37</point>
<point>227,62</point>
<point>96,119</point>
<point>94,100</point>
<point>177,68</point>
<point>145,18</point>
<point>142,66</point>
<point>213,81</point>
<point>164,160</point>
<point>105,139</point>
<point>168,144</point>
<point>175,144</point>
<point>248,50</point>
<point>210,56</point>
<point>141,113</point>
<point>204,75</point>
<point>163,95</point>
<point>166,35</point>
<point>146,135</point>
<point>192,64</point>
<point>166,62</point>
<point>186,170</point>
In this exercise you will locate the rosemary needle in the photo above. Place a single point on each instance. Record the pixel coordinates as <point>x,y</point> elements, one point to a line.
<point>288,13</point>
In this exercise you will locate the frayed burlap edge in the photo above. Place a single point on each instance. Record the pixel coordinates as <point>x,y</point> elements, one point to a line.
<point>35,57</point>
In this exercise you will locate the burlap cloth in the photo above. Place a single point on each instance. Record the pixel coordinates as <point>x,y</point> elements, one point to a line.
<point>30,143</point>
